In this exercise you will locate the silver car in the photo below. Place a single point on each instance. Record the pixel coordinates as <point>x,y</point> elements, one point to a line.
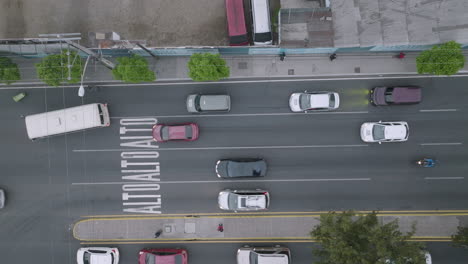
<point>197,103</point>
<point>314,101</point>
<point>243,200</point>
<point>384,131</point>
<point>2,198</point>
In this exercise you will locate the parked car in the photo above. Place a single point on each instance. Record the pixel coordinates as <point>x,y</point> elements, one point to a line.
<point>162,256</point>
<point>427,257</point>
<point>97,255</point>
<point>246,167</point>
<point>395,95</point>
<point>243,200</point>
<point>264,255</point>
<point>183,132</point>
<point>384,131</point>
<point>314,101</point>
<point>197,103</point>
<point>2,198</point>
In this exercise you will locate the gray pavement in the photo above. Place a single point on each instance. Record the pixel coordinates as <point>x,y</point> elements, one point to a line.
<point>174,68</point>
<point>261,227</point>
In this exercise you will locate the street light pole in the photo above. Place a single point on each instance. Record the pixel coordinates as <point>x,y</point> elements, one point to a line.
<point>81,91</point>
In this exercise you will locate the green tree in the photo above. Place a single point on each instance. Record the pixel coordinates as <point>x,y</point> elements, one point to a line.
<point>207,67</point>
<point>9,72</point>
<point>53,69</point>
<point>460,239</point>
<point>444,59</point>
<point>349,239</point>
<point>133,69</point>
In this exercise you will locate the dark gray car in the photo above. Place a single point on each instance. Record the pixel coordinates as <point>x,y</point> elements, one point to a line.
<point>197,103</point>
<point>246,167</point>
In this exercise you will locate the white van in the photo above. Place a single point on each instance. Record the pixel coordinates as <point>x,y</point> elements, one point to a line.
<point>261,22</point>
<point>67,120</point>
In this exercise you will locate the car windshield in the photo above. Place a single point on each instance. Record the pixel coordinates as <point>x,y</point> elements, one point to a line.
<point>232,200</point>
<point>304,101</point>
<point>389,95</point>
<point>188,131</point>
<point>165,132</point>
<point>253,257</point>
<point>332,101</point>
<point>86,257</point>
<point>378,132</point>
<point>150,259</point>
<point>197,103</point>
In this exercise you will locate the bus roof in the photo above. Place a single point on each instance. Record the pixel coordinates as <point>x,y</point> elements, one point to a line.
<point>235,17</point>
<point>63,121</point>
<point>261,15</point>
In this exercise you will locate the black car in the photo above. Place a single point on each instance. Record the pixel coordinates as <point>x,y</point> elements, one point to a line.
<point>247,167</point>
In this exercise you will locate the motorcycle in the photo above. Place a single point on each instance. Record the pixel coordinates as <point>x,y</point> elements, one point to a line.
<point>426,163</point>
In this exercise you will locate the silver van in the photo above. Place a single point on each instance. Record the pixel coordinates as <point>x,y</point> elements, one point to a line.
<point>197,103</point>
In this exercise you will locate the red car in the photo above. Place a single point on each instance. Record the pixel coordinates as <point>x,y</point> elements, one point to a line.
<point>184,132</point>
<point>162,256</point>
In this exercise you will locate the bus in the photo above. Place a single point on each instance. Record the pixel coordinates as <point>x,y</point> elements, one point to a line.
<point>67,120</point>
<point>261,22</point>
<point>236,23</point>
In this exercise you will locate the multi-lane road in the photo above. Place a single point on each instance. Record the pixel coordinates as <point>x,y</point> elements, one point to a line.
<point>317,161</point>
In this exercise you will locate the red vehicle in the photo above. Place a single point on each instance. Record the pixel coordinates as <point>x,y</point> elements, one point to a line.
<point>183,132</point>
<point>236,23</point>
<point>162,256</point>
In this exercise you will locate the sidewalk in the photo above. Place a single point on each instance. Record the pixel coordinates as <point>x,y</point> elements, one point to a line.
<point>174,68</point>
<point>294,227</point>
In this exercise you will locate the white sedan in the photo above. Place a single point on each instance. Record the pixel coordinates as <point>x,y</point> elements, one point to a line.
<point>384,131</point>
<point>97,255</point>
<point>300,102</point>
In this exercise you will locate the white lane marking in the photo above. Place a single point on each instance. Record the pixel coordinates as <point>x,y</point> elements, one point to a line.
<point>444,178</point>
<point>442,144</point>
<point>230,181</point>
<point>258,114</point>
<point>438,110</point>
<point>226,148</point>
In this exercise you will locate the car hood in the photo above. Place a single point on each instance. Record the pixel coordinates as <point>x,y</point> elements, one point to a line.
<point>395,132</point>
<point>294,102</point>
<point>2,198</point>
<point>221,169</point>
<point>101,259</point>
<point>378,96</point>
<point>366,132</point>
<point>223,200</point>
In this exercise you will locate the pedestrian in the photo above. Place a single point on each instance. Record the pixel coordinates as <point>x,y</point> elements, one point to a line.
<point>158,233</point>
<point>401,55</point>
<point>220,228</point>
<point>282,55</point>
<point>333,56</point>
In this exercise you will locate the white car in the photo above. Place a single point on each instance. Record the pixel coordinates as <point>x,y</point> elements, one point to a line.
<point>384,131</point>
<point>260,255</point>
<point>243,200</point>
<point>314,101</point>
<point>97,255</point>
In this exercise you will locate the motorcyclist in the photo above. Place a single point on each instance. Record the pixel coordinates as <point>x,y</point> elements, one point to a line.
<point>426,163</point>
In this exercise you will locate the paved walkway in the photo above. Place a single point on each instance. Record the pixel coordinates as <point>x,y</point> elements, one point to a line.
<point>284,227</point>
<point>171,68</point>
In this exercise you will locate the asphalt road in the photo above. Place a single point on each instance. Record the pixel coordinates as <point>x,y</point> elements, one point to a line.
<point>316,160</point>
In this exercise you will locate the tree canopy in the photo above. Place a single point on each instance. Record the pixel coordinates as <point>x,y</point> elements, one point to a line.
<point>460,239</point>
<point>133,69</point>
<point>207,67</point>
<point>444,59</point>
<point>9,72</point>
<point>54,70</point>
<point>349,239</point>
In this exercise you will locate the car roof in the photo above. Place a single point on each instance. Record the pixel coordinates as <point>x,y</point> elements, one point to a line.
<point>177,132</point>
<point>395,132</point>
<point>406,94</point>
<point>320,100</point>
<point>214,102</point>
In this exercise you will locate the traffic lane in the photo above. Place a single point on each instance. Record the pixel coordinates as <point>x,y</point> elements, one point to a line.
<point>301,253</point>
<point>385,193</point>
<point>196,165</point>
